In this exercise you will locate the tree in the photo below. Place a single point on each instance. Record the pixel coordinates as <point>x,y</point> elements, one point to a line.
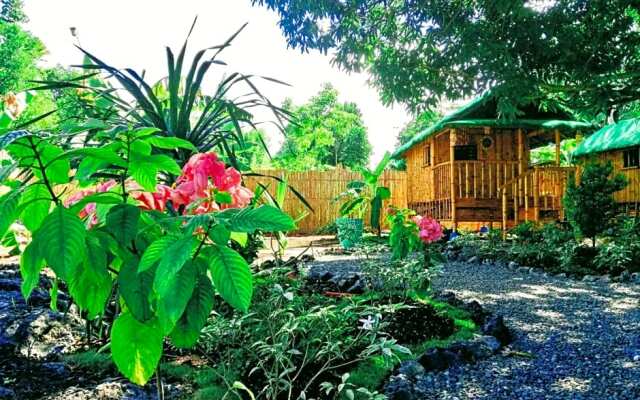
<point>419,52</point>
<point>19,53</point>
<point>324,132</point>
<point>423,121</point>
<point>590,205</point>
<point>11,11</point>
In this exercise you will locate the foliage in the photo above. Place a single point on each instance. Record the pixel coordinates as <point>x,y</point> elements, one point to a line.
<point>419,52</point>
<point>291,343</point>
<point>11,11</point>
<point>166,250</point>
<point>421,122</point>
<point>547,154</point>
<point>403,237</point>
<point>324,132</point>
<point>367,194</point>
<point>590,205</point>
<point>176,106</point>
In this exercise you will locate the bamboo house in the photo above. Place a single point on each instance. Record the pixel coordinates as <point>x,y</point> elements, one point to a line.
<point>620,144</point>
<point>472,168</point>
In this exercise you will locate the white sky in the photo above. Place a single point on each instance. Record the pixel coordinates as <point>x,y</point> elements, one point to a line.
<point>133,33</point>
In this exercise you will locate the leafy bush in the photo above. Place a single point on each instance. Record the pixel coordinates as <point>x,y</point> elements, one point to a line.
<point>590,205</point>
<point>158,254</point>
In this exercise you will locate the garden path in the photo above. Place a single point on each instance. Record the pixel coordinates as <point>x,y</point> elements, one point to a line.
<point>583,338</point>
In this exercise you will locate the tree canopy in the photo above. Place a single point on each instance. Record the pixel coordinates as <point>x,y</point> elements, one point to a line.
<point>324,132</point>
<point>585,53</point>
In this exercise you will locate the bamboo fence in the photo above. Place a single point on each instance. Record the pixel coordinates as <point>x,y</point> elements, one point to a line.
<point>320,189</point>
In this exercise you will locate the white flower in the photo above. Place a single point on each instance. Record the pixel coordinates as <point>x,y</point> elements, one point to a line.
<point>368,323</point>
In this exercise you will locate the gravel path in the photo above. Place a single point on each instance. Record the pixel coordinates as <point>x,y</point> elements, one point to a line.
<point>584,338</point>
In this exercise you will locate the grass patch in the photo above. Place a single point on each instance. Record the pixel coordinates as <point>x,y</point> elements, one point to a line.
<point>92,361</point>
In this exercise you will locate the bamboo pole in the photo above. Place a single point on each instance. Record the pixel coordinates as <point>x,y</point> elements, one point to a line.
<point>504,213</point>
<point>536,195</point>
<point>557,134</point>
<point>452,143</point>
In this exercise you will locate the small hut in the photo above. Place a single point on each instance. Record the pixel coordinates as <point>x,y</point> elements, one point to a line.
<point>620,144</point>
<point>472,168</point>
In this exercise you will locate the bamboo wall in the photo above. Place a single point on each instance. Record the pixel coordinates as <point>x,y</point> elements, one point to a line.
<point>320,188</point>
<point>631,193</point>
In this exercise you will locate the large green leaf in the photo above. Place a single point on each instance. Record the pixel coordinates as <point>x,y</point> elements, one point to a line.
<point>31,263</point>
<point>170,143</point>
<point>122,222</point>
<point>61,238</point>
<point>36,202</point>
<point>136,289</point>
<point>264,218</point>
<point>57,168</point>
<point>231,276</point>
<point>8,210</point>
<point>155,251</point>
<point>172,261</point>
<point>90,285</point>
<point>136,347</point>
<point>187,329</point>
<point>171,306</point>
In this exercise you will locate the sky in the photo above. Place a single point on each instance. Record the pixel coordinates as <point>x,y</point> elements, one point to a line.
<point>133,33</point>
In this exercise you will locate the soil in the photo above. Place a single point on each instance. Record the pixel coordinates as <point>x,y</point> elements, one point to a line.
<point>418,323</point>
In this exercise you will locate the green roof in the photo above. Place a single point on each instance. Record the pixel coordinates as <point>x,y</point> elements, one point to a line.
<point>625,133</point>
<point>483,112</point>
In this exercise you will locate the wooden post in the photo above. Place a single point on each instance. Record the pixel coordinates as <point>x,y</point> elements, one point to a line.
<point>526,197</point>
<point>536,196</point>
<point>557,147</point>
<point>452,143</point>
<point>504,212</point>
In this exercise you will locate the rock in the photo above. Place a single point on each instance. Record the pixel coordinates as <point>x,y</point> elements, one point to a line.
<point>57,369</point>
<point>588,278</point>
<point>399,388</point>
<point>478,314</point>
<point>490,342</point>
<point>326,276</point>
<point>449,298</point>
<point>635,277</point>
<point>495,327</point>
<point>472,260</point>
<point>513,265</point>
<point>561,275</point>
<point>523,270</point>
<point>7,394</point>
<point>605,278</point>
<point>358,287</point>
<point>438,359</point>
<point>411,369</point>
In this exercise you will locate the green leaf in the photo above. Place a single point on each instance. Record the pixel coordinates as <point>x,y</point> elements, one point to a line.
<point>122,222</point>
<point>154,252</point>
<point>136,347</point>
<point>39,202</point>
<point>90,285</point>
<point>264,218</point>
<point>219,234</point>
<point>57,171</point>
<point>172,261</point>
<point>223,198</point>
<point>143,132</point>
<point>105,155</point>
<point>383,192</point>
<point>31,263</point>
<point>61,239</point>
<point>135,289</point>
<point>53,295</point>
<point>8,210</point>
<point>231,276</point>
<point>170,143</point>
<point>240,237</point>
<point>187,329</point>
<point>171,306</point>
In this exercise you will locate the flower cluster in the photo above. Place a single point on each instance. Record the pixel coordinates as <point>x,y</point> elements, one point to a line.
<point>89,211</point>
<point>202,178</point>
<point>429,229</point>
<point>14,104</point>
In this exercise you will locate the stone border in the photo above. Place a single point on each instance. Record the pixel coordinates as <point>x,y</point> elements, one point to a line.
<point>495,335</point>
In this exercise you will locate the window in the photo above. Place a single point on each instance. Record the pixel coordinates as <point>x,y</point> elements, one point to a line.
<point>631,157</point>
<point>427,156</point>
<point>465,153</point>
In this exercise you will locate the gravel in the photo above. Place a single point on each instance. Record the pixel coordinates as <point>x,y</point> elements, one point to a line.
<point>573,339</point>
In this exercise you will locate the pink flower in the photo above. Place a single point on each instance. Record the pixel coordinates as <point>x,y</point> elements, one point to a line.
<point>199,169</point>
<point>89,210</point>
<point>155,201</point>
<point>241,196</point>
<point>429,229</point>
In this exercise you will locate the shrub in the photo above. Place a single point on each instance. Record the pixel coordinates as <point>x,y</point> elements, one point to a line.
<point>590,205</point>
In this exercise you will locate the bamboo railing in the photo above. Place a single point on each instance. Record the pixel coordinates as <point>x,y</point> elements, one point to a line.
<point>538,189</point>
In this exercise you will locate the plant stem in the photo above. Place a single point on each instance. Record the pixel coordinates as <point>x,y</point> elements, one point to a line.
<point>159,388</point>
<point>42,169</point>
